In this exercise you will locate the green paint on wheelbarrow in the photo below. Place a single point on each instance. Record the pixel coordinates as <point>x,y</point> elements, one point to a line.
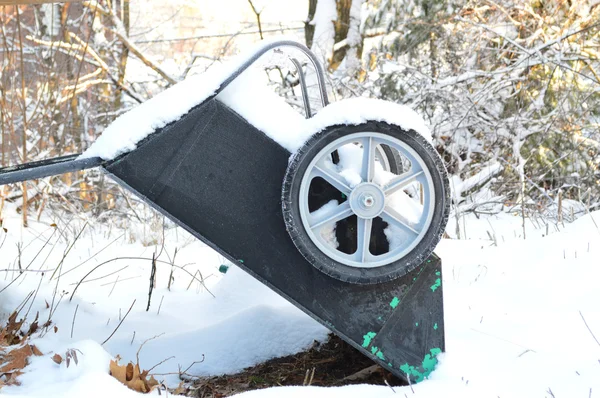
<point>438,283</point>
<point>368,338</point>
<point>223,268</point>
<point>428,364</point>
<point>377,352</point>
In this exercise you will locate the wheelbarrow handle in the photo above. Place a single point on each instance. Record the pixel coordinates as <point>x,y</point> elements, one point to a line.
<point>320,74</point>
<point>46,168</point>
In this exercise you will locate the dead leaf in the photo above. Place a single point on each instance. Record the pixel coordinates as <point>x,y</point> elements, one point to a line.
<point>11,379</point>
<point>16,359</point>
<point>36,351</point>
<point>11,332</point>
<point>57,358</point>
<point>33,327</point>
<point>132,377</point>
<point>72,354</point>
<point>180,390</point>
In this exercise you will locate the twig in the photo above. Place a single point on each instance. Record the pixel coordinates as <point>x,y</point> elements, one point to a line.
<point>160,305</point>
<point>121,280</point>
<point>113,287</point>
<point>410,383</point>
<point>137,354</point>
<point>35,295</point>
<point>182,373</point>
<point>26,268</point>
<point>192,280</point>
<point>122,320</point>
<point>73,323</point>
<point>161,362</point>
<point>388,384</point>
<point>312,376</point>
<point>95,254</point>
<point>257,13</point>
<point>103,276</point>
<point>152,276</point>
<point>219,35</point>
<point>122,258</point>
<point>58,268</point>
<point>172,269</point>
<point>588,328</point>
<point>24,302</point>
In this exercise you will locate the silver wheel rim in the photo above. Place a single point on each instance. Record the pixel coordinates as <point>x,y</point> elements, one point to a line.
<point>372,196</point>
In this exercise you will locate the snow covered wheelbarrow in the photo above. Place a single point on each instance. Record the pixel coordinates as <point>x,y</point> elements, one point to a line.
<point>338,212</point>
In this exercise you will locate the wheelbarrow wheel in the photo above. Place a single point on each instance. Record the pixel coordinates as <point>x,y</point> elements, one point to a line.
<point>391,159</point>
<point>366,204</point>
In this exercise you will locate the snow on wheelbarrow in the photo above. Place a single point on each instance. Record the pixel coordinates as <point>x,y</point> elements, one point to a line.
<point>338,212</point>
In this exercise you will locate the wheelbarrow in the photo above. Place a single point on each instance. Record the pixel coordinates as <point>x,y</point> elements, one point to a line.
<point>343,227</point>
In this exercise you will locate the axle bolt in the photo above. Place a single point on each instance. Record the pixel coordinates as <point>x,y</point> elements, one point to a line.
<point>368,201</point>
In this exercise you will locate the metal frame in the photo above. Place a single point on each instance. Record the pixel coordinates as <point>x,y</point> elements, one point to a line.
<point>47,168</point>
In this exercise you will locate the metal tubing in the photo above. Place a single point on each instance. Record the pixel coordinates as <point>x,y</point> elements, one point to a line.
<point>284,43</point>
<point>46,168</point>
<point>303,87</point>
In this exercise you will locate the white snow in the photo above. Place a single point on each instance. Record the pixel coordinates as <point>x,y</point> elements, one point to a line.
<point>129,129</point>
<point>261,107</point>
<point>243,324</point>
<point>327,231</point>
<point>514,313</point>
<point>248,96</point>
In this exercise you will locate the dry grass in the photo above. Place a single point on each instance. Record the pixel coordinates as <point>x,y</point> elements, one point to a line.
<point>328,364</point>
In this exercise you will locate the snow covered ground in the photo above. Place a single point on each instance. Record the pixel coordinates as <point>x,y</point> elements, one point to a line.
<point>521,315</point>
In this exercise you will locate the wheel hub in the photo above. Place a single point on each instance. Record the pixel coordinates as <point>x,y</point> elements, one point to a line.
<point>367,200</point>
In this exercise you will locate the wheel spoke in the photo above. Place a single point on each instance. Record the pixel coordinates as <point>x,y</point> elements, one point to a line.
<point>401,182</point>
<point>394,218</point>
<point>332,177</point>
<point>363,239</point>
<point>339,213</point>
<point>368,161</point>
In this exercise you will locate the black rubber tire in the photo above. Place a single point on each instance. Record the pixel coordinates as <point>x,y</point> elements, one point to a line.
<point>394,159</point>
<point>291,211</point>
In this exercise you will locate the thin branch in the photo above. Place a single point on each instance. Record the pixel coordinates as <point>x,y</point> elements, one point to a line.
<point>73,323</point>
<point>120,323</point>
<point>257,13</point>
<point>588,328</point>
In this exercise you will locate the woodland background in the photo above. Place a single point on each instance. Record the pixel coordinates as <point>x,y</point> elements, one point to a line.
<point>510,89</point>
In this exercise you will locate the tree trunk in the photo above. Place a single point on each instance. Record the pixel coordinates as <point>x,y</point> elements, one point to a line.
<point>124,52</point>
<point>341,27</point>
<point>309,29</point>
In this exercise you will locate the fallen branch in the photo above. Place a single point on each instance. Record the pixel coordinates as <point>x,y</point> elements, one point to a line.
<point>362,374</point>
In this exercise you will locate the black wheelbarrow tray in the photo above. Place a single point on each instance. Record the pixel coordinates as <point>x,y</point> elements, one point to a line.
<point>342,222</point>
